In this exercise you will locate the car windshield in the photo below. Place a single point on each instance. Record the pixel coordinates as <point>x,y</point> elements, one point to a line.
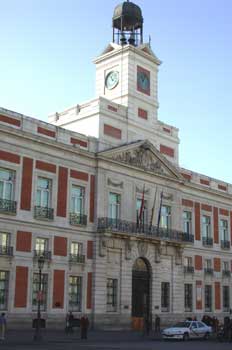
<point>182,324</point>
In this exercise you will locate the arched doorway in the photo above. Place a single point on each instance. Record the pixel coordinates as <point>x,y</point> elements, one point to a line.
<point>141,285</point>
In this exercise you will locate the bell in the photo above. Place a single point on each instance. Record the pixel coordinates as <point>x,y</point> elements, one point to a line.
<point>123,39</point>
<point>131,39</point>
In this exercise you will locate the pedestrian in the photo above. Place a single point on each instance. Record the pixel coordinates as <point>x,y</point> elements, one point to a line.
<point>157,324</point>
<point>2,326</point>
<point>84,324</point>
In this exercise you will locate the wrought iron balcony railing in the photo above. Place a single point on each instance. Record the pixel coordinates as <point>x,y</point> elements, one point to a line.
<point>6,250</point>
<point>208,271</point>
<point>226,273</point>
<point>43,213</point>
<point>225,244</point>
<point>76,258</point>
<point>77,219</point>
<point>131,228</point>
<point>45,253</point>
<point>207,241</point>
<point>7,206</point>
<point>188,269</point>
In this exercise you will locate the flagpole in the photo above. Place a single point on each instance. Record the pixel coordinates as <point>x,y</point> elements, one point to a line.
<point>160,208</point>
<point>153,210</point>
<point>141,209</point>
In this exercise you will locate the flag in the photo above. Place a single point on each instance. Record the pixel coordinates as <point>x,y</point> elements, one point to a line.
<point>142,207</point>
<point>160,208</point>
<point>153,209</point>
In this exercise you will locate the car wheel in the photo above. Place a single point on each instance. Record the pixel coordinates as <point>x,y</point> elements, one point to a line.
<point>185,336</point>
<point>206,336</point>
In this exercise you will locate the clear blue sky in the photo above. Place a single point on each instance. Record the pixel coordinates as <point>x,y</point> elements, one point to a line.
<point>47,47</point>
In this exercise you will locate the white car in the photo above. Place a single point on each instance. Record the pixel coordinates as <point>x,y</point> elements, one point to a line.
<point>186,330</point>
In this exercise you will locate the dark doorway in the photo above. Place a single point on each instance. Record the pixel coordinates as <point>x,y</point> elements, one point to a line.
<point>140,292</point>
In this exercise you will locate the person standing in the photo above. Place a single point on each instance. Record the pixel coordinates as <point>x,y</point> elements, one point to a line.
<point>2,326</point>
<point>84,324</point>
<point>157,324</point>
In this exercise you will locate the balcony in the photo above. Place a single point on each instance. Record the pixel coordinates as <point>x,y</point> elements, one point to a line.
<point>43,213</point>
<point>76,258</point>
<point>77,219</point>
<point>7,207</point>
<point>133,229</point>
<point>188,269</point>
<point>225,244</point>
<point>208,271</point>
<point>207,241</point>
<point>6,250</point>
<point>226,273</point>
<point>45,253</point>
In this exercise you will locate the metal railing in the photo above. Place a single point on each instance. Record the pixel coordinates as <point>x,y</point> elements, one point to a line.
<point>226,273</point>
<point>225,244</point>
<point>7,206</point>
<point>45,253</point>
<point>207,241</point>
<point>208,271</point>
<point>131,228</point>
<point>188,269</point>
<point>77,219</point>
<point>6,250</point>
<point>77,258</point>
<point>43,213</point>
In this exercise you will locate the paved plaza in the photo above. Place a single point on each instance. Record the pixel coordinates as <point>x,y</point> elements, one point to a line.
<point>100,340</point>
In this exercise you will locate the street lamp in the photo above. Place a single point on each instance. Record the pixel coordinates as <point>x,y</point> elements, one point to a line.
<point>38,335</point>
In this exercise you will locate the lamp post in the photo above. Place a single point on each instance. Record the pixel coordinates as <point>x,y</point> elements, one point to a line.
<point>38,335</point>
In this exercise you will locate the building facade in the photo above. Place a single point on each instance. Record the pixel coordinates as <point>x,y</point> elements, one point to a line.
<point>126,233</point>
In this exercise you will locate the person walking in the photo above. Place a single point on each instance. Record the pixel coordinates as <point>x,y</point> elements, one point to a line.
<point>157,324</point>
<point>84,324</point>
<point>2,326</point>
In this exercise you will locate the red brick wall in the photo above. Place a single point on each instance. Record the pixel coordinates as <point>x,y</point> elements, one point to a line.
<point>222,187</point>
<point>9,157</point>
<point>92,198</point>
<point>224,212</point>
<point>142,113</point>
<point>26,188</point>
<point>204,182</point>
<point>167,150</point>
<point>79,142</point>
<point>197,222</point>
<point>187,203</point>
<point>62,192</point>
<point>199,302</point>
<point>89,249</point>
<point>217,295</point>
<point>45,166</point>
<point>60,246</point>
<point>215,225</point>
<point>23,242</point>
<point>112,131</point>
<point>198,262</point>
<point>186,176</point>
<point>79,175</point>
<point>9,120</point>
<point>112,108</point>
<point>217,264</point>
<point>21,281</point>
<point>89,291</point>
<point>206,207</point>
<point>58,288</point>
<point>46,132</point>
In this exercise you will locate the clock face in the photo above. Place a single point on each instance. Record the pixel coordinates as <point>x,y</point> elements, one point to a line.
<point>143,80</point>
<point>112,80</point>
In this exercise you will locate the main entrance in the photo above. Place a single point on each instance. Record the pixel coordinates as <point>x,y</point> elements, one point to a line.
<point>140,293</point>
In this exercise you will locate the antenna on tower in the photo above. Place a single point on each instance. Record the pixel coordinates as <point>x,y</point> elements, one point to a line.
<point>149,41</point>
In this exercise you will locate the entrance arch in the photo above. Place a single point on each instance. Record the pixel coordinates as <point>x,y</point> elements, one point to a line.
<point>141,292</point>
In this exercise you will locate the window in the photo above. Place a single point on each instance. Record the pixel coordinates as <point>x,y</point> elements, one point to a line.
<point>206,230</point>
<point>226,298</point>
<point>165,219</point>
<point>76,248</point>
<point>35,290</point>
<point>208,298</point>
<point>41,245</point>
<point>114,205</point>
<point>144,217</point>
<point>75,293</point>
<point>224,230</point>
<point>112,285</point>
<point>7,182</point>
<point>226,266</point>
<point>188,261</point>
<point>208,263</point>
<point>77,200</point>
<point>187,221</point>
<point>165,296</point>
<point>188,297</point>
<point>4,241</point>
<point>4,281</point>
<point>43,194</point>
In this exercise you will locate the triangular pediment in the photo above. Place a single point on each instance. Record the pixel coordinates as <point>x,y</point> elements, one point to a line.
<point>147,49</point>
<point>110,47</point>
<point>144,156</point>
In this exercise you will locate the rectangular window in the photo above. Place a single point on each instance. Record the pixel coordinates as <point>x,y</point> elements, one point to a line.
<point>75,293</point>
<point>4,241</point>
<point>4,284</point>
<point>43,193</point>
<point>165,296</point>
<point>208,263</point>
<point>7,184</point>
<point>114,205</point>
<point>39,291</point>
<point>112,285</point>
<point>41,245</point>
<point>165,220</point>
<point>76,248</point>
<point>208,298</point>
<point>188,297</point>
<point>226,266</point>
<point>206,227</point>
<point>187,221</point>
<point>226,298</point>
<point>78,200</point>
<point>224,230</point>
<point>188,261</point>
<point>141,216</point>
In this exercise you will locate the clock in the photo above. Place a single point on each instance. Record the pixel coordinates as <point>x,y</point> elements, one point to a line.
<point>112,80</point>
<point>143,80</point>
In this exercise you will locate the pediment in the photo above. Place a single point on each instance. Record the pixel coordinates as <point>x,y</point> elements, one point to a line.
<point>109,48</point>
<point>144,156</point>
<point>147,49</point>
